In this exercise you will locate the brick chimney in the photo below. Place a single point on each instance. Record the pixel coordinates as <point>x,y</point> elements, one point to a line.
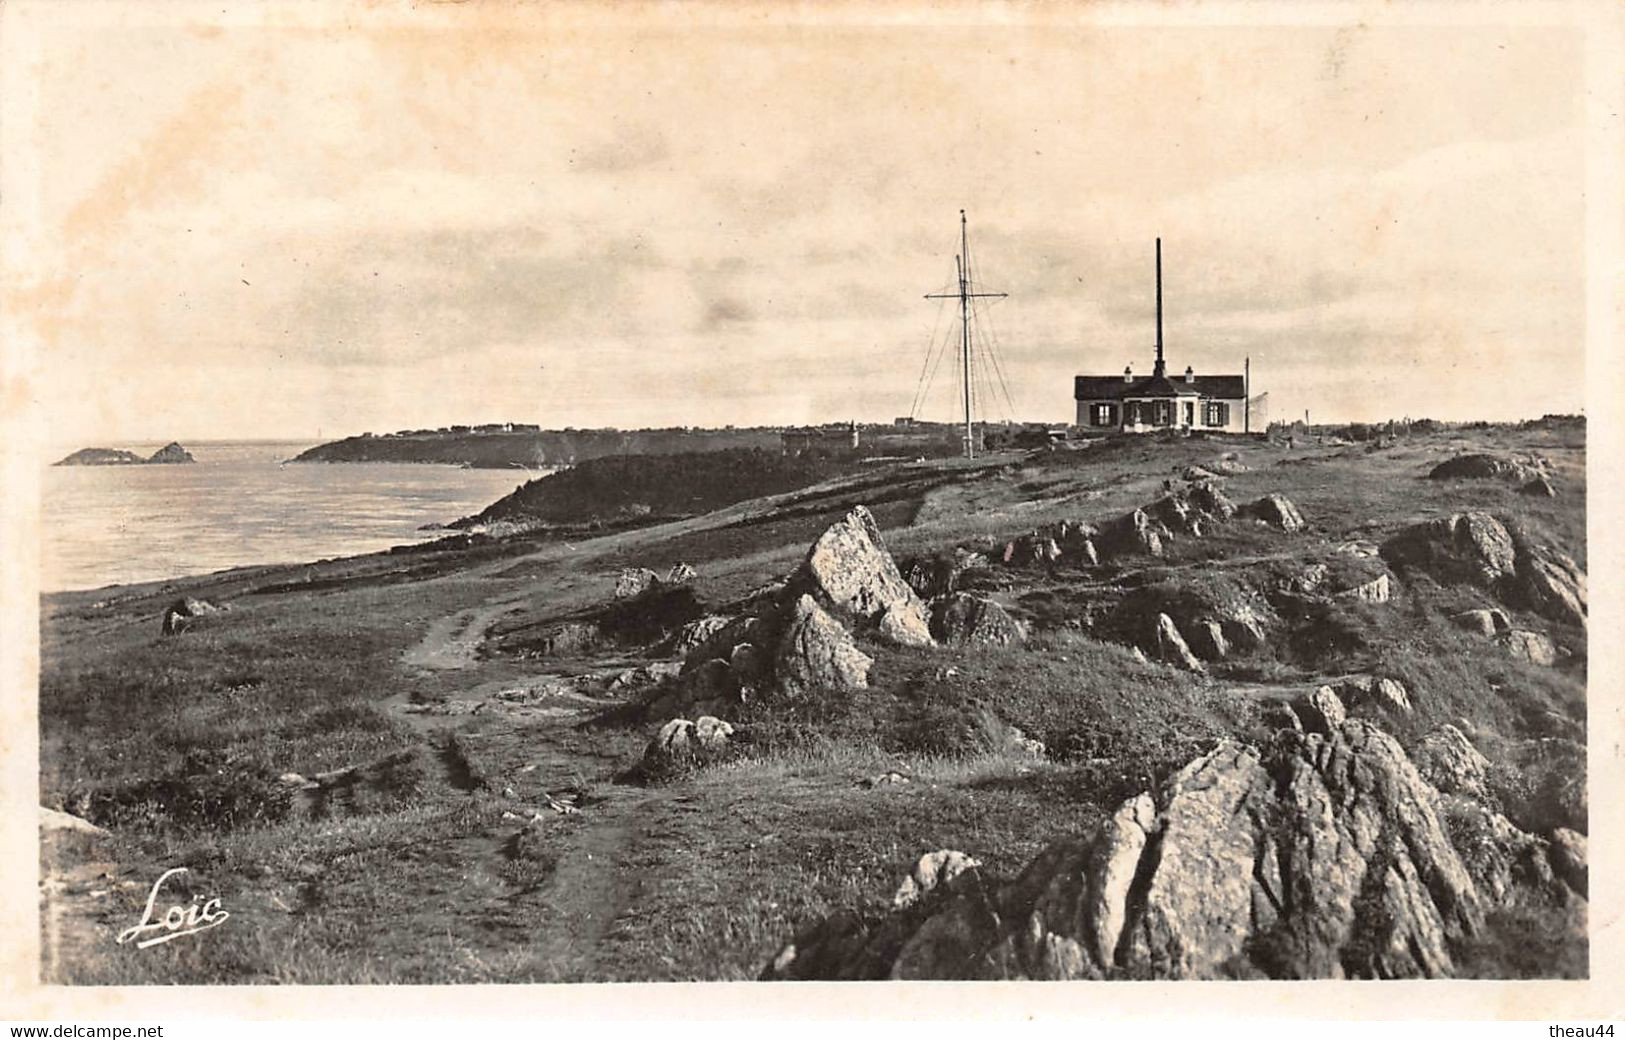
<point>1190,374</point>
<point>1128,373</point>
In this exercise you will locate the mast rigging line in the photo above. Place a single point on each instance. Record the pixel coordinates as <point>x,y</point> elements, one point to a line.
<point>966,364</point>
<point>993,350</point>
<point>938,350</point>
<point>923,386</point>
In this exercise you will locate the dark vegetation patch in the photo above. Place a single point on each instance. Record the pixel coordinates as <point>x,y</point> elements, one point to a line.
<point>658,485</point>
<point>205,792</point>
<point>650,617</point>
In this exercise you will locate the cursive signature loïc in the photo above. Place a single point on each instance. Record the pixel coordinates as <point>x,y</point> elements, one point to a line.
<point>176,921</point>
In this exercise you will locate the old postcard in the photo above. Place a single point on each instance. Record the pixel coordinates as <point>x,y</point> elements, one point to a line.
<point>546,494</point>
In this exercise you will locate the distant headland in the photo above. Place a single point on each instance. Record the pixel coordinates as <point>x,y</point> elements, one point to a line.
<point>170,454</point>
<point>526,446</point>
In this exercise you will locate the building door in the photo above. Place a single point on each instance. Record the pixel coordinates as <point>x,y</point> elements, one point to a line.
<point>1190,413</point>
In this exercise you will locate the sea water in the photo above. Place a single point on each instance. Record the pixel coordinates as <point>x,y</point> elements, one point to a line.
<point>240,505</point>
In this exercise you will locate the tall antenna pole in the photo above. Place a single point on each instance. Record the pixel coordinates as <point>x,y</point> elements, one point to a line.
<point>1247,395</point>
<point>964,324</point>
<point>965,295</point>
<point>1160,367</point>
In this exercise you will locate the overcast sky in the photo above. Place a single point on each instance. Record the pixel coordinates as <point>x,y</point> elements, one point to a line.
<point>250,232</point>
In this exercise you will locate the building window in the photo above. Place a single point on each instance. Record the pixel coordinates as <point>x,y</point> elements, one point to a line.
<point>1162,413</point>
<point>1103,415</point>
<point>1218,414</point>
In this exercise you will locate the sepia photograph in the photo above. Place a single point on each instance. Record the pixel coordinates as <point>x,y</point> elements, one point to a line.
<point>579,493</point>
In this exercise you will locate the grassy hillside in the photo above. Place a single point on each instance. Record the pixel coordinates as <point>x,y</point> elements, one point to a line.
<point>444,711</point>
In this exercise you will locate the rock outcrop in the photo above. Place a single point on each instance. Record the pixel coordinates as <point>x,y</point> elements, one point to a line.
<point>1169,646</point>
<point>1534,647</point>
<point>681,574</point>
<point>850,573</point>
<point>54,821</point>
<point>1450,762</point>
<point>1568,856</point>
<point>1479,466</point>
<point>1491,621</point>
<point>1276,511</point>
<point>933,869</point>
<point>170,454</point>
<point>1131,534</point>
<point>1321,857</point>
<point>1498,856</point>
<point>1552,584</point>
<point>941,574</point>
<point>1476,548</point>
<point>816,651</point>
<point>696,632</point>
<point>635,581</point>
<point>1321,710</point>
<point>963,619</point>
<point>796,638</point>
<point>1377,590</point>
<point>1464,547</point>
<point>183,614</point>
<point>1388,694</point>
<point>681,742</point>
<point>1192,510</point>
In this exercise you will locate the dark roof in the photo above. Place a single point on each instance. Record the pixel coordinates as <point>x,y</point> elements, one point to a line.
<point>1104,388</point>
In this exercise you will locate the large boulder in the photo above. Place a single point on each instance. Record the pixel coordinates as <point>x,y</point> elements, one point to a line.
<point>1321,710</point>
<point>1133,533</point>
<point>1321,857</point>
<point>1534,647</point>
<point>183,614</point>
<point>681,742</point>
<point>941,574</point>
<point>1387,694</point>
<point>817,652</point>
<point>1192,510</point>
<point>932,869</point>
<point>1477,466</point>
<point>1464,547</point>
<point>963,619</point>
<point>635,581</point>
<point>681,574</point>
<point>1277,511</point>
<point>1486,622</point>
<point>1552,584</point>
<point>849,572</point>
<point>1450,762</point>
<point>1379,589</point>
